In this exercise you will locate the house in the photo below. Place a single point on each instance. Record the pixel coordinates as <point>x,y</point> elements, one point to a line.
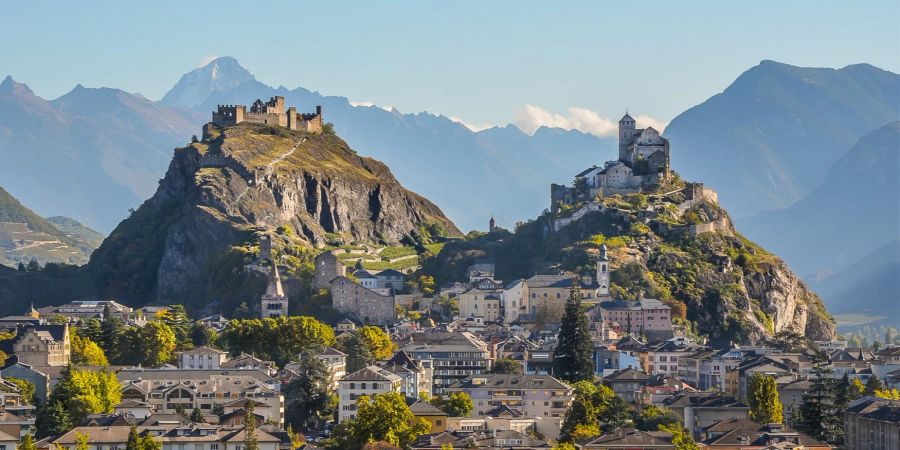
<point>8,442</point>
<point>476,302</point>
<point>872,423</point>
<point>706,369</point>
<point>168,390</point>
<point>534,395</point>
<point>745,434</point>
<point>492,439</point>
<point>89,309</point>
<point>43,345</point>
<point>391,279</point>
<point>791,396</point>
<point>500,418</point>
<point>39,378</point>
<point>608,359</point>
<point>201,358</point>
<point>16,425</point>
<point>417,375</point>
<point>248,361</point>
<point>662,358</point>
<point>554,289</point>
<point>435,417</point>
<point>646,317</point>
<point>360,303</point>
<point>134,408</point>
<point>702,409</point>
<point>366,279</point>
<point>626,383</point>
<point>194,436</point>
<point>369,381</point>
<point>454,356</point>
<point>630,439</point>
<point>514,300</point>
<point>336,362</point>
<point>659,388</point>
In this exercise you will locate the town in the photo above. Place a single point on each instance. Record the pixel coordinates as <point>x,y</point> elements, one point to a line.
<point>556,360</point>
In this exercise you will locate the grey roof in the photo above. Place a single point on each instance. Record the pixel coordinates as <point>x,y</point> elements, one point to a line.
<point>631,438</point>
<point>423,408</point>
<point>586,171</point>
<point>511,381</point>
<point>737,432</point>
<point>704,400</point>
<point>628,374</point>
<point>371,373</point>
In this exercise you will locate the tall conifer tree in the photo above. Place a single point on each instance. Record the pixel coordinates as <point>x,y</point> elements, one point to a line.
<point>573,359</point>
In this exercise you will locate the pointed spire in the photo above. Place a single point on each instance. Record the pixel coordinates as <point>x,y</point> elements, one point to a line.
<point>274,288</point>
<point>603,249</point>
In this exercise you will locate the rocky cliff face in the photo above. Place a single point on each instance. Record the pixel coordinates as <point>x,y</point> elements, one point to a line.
<point>242,180</point>
<point>725,286</point>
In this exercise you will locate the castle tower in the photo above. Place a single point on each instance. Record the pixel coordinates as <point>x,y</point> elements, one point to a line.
<point>626,137</point>
<point>492,224</point>
<point>274,303</point>
<point>603,273</point>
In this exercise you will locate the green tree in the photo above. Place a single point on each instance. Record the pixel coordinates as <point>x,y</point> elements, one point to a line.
<point>507,366</point>
<point>765,404</point>
<point>384,418</point>
<point>86,352</point>
<point>154,343</point>
<point>458,404</point>
<point>358,353</point>
<point>573,359</point>
<point>52,420</point>
<point>857,389</point>
<point>134,440</point>
<point>83,392</point>
<point>872,384</point>
<point>91,329</point>
<point>581,420</point>
<point>251,442</point>
<point>197,415</point>
<point>202,336</point>
<point>176,317</point>
<point>148,443</point>
<point>112,332</point>
<point>25,388</point>
<point>82,441</point>
<point>27,443</point>
<point>379,343</point>
<point>307,395</point>
<point>681,438</point>
<point>652,418</point>
<point>617,414</point>
<point>818,415</point>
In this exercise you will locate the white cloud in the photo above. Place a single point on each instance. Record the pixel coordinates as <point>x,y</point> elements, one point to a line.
<point>206,60</point>
<point>365,104</point>
<point>469,125</point>
<point>532,117</point>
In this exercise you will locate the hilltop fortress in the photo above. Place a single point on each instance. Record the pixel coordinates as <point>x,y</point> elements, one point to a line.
<point>643,162</point>
<point>269,113</point>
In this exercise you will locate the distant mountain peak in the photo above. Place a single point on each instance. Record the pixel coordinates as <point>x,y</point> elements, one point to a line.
<point>194,87</point>
<point>11,85</point>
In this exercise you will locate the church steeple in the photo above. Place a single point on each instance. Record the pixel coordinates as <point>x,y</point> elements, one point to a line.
<point>274,303</point>
<point>603,273</point>
<point>492,224</point>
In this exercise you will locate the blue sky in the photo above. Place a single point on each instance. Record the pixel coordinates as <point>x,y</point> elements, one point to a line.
<point>483,62</point>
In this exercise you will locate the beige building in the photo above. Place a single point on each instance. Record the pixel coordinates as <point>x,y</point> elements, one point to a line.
<point>201,358</point>
<point>191,437</point>
<point>369,381</point>
<point>480,303</point>
<point>43,345</point>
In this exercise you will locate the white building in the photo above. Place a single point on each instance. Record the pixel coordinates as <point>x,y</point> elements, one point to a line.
<point>369,381</point>
<point>201,358</point>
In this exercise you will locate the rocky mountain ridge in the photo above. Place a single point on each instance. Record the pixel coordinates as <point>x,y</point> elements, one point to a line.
<point>222,191</point>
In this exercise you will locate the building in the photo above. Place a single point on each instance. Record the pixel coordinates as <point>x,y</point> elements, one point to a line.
<point>193,436</point>
<point>639,146</point>
<point>662,359</point>
<point>328,267</point>
<point>336,362</point>
<point>417,375</point>
<point>534,395</point>
<point>706,369</point>
<point>89,309</point>
<point>370,381</point>
<point>626,383</point>
<point>43,345</point>
<point>202,358</point>
<point>872,423</point>
<point>514,300</point>
<point>274,303</point>
<point>360,303</point>
<point>390,279</point>
<point>555,289</point>
<point>271,113</point>
<point>647,317</point>
<point>169,390</point>
<point>744,434</point>
<point>700,410</point>
<point>39,378</point>
<point>435,417</point>
<point>476,302</point>
<point>608,359</point>
<point>490,439</point>
<point>631,439</point>
<point>454,356</point>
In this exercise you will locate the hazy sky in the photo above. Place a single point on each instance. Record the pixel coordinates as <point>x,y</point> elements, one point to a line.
<point>487,62</point>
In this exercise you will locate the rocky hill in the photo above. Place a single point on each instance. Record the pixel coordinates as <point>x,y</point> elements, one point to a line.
<point>189,241</point>
<point>26,236</point>
<point>671,245</point>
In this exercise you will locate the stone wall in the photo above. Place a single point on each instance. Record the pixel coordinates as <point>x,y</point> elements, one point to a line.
<point>361,304</point>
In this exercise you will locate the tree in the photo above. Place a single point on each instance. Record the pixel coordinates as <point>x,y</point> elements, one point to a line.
<point>379,343</point>
<point>573,359</point>
<point>765,404</point>
<point>112,332</point>
<point>458,404</point>
<point>580,420</point>
<point>890,394</point>
<point>52,420</point>
<point>175,316</point>
<point>384,418</point>
<point>25,388</point>
<point>153,343</point>
<point>307,395</point>
<point>358,353</point>
<point>251,442</point>
<point>202,335</point>
<point>83,392</point>
<point>617,414</point>
<point>148,443</point>
<point>819,417</point>
<point>197,416</point>
<point>873,384</point>
<point>86,352</point>
<point>27,443</point>
<point>653,418</point>
<point>681,439</point>
<point>857,389</point>
<point>134,440</point>
<point>507,366</point>
<point>82,441</point>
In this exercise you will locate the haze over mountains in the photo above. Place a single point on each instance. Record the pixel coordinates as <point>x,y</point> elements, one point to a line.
<point>778,138</point>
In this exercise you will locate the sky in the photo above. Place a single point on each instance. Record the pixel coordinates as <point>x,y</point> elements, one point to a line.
<point>571,64</point>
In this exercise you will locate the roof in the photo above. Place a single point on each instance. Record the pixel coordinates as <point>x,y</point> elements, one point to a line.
<point>737,432</point>
<point>512,381</point>
<point>704,400</point>
<point>371,373</point>
<point>876,409</point>
<point>628,374</point>
<point>423,408</point>
<point>7,438</point>
<point>558,281</point>
<point>631,438</point>
<point>483,439</point>
<point>586,171</point>
<point>645,303</point>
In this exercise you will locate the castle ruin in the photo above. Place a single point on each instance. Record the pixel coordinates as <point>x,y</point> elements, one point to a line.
<point>271,113</point>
